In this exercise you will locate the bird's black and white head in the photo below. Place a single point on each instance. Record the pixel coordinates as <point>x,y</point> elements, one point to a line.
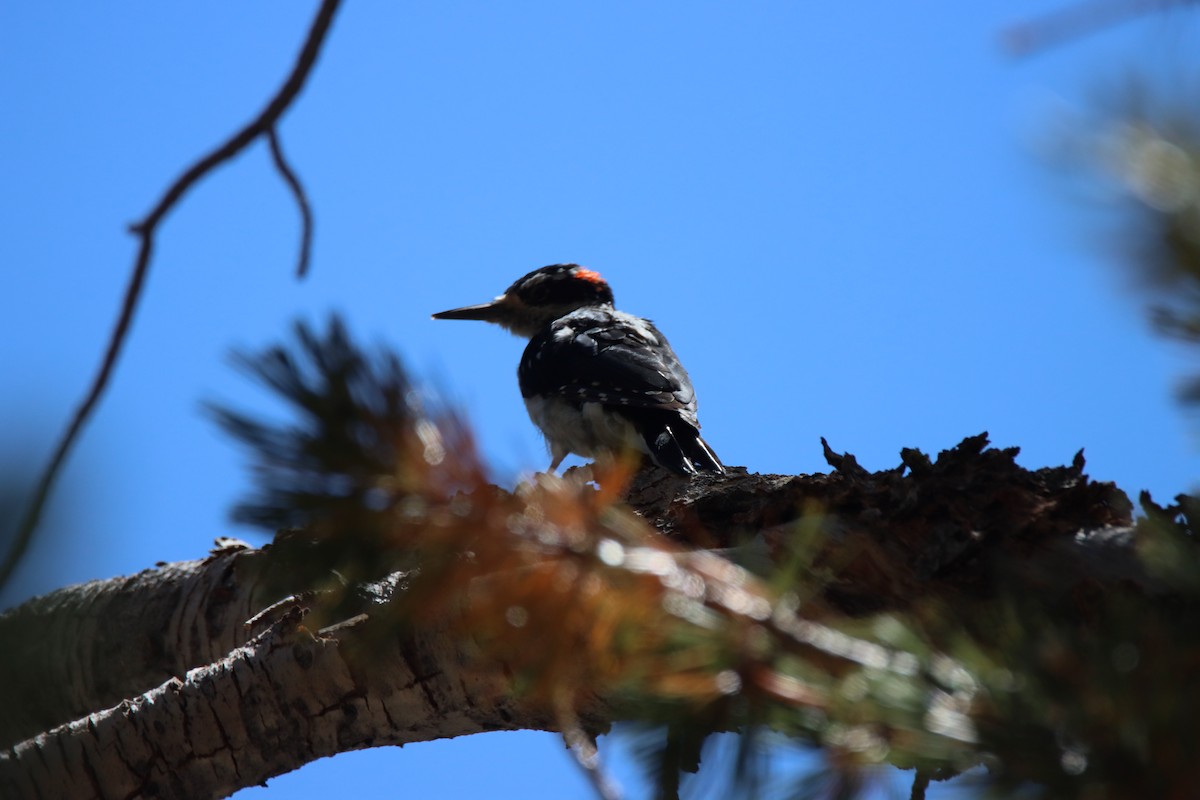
<point>539,298</point>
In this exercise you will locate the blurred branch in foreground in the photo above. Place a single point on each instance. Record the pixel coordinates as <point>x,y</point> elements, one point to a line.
<point>949,612</point>
<point>1144,143</point>
<point>574,593</point>
<point>1078,20</point>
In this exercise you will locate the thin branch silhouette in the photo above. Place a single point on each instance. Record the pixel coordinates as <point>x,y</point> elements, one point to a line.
<point>293,182</point>
<point>145,230</point>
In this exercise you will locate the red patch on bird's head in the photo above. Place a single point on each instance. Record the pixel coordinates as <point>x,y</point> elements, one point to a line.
<point>589,275</point>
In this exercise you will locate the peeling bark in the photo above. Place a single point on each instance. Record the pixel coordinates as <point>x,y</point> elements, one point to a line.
<point>90,646</point>
<point>285,698</point>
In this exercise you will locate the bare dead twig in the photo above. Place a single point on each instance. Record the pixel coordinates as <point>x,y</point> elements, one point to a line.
<point>289,177</point>
<point>146,229</point>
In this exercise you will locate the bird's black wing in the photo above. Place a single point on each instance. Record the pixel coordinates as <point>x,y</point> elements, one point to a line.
<point>609,358</point>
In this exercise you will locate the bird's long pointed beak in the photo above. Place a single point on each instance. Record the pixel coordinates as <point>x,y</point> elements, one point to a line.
<point>486,312</point>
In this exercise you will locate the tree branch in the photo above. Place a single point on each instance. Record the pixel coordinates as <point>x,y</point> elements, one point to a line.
<point>285,698</point>
<point>925,530</point>
<point>146,230</point>
<point>929,526</point>
<point>88,647</point>
<point>293,182</point>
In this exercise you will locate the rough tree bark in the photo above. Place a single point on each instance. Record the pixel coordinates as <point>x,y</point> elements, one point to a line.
<point>154,685</point>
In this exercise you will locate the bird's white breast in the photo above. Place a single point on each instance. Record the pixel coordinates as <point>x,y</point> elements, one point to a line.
<point>582,429</point>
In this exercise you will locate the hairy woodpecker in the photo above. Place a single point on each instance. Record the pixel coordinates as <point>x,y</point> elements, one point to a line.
<point>597,380</point>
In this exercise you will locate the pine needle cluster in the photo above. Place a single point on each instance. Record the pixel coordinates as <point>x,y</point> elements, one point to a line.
<point>1058,688</point>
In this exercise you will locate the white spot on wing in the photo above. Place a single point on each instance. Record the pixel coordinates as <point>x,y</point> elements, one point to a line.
<point>639,326</point>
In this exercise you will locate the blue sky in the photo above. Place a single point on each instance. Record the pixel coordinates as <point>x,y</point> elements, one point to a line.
<point>832,210</point>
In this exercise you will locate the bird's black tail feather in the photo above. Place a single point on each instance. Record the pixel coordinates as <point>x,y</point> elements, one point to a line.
<point>679,448</point>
